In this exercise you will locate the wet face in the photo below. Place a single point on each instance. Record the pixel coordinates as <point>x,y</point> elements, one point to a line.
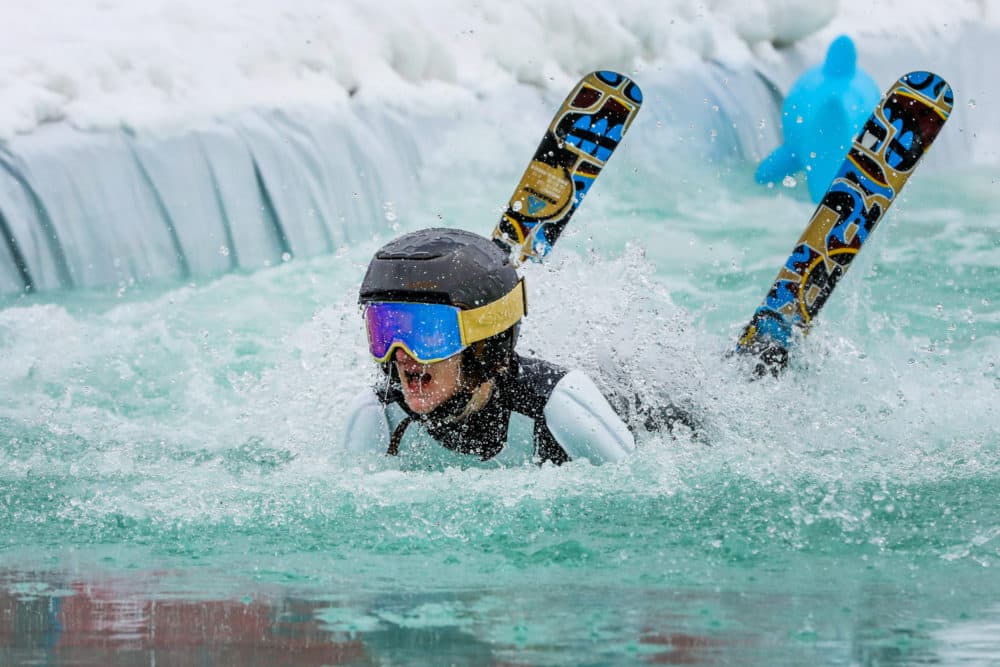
<point>426,386</point>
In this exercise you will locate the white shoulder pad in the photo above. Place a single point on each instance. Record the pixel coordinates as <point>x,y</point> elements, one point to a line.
<point>583,422</point>
<point>367,428</point>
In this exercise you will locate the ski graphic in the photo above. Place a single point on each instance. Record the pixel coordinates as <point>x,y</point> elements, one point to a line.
<point>878,164</point>
<point>578,142</point>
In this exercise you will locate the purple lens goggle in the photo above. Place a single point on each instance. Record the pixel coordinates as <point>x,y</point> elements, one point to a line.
<point>431,332</point>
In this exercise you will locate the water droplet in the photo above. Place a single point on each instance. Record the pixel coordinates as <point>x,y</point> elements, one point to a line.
<point>972,104</point>
<point>789,181</point>
<point>224,250</point>
<point>762,124</point>
<point>389,210</point>
<point>517,205</point>
<point>286,257</point>
<point>799,120</point>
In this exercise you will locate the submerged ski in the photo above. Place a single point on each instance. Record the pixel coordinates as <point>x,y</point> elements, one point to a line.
<point>578,142</point>
<point>880,161</point>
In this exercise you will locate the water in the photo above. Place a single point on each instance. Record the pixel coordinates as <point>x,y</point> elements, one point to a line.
<point>171,489</point>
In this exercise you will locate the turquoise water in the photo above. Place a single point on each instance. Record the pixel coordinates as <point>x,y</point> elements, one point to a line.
<point>172,490</point>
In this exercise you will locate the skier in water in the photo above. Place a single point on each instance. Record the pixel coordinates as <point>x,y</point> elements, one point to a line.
<point>443,309</point>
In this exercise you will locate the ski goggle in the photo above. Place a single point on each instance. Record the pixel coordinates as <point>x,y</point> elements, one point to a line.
<point>430,332</point>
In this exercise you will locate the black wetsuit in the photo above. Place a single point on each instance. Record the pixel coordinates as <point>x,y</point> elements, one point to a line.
<point>525,388</point>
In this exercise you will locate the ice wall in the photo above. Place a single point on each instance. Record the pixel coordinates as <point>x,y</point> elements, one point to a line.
<point>111,207</point>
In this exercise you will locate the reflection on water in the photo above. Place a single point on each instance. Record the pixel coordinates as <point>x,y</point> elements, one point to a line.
<point>111,619</point>
<point>107,624</point>
<point>118,621</point>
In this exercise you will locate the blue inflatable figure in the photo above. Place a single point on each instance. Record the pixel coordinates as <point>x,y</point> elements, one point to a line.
<point>821,114</point>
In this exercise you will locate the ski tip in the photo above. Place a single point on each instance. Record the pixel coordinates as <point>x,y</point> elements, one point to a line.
<point>628,87</point>
<point>931,86</point>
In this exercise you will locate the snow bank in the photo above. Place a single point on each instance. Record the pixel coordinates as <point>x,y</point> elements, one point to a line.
<point>150,63</point>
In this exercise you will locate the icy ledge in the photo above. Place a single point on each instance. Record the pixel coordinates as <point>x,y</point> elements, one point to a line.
<point>108,208</point>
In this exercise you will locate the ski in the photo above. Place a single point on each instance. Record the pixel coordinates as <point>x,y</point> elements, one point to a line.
<point>578,142</point>
<point>881,159</point>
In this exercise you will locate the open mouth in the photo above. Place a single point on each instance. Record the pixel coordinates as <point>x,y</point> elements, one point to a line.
<point>425,386</point>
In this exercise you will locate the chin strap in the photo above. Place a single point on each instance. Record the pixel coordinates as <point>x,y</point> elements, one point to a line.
<point>397,435</point>
<point>456,409</point>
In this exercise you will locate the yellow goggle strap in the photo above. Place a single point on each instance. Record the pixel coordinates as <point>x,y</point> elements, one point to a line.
<point>481,323</point>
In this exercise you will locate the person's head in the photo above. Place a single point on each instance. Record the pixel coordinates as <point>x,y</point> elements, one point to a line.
<point>442,308</point>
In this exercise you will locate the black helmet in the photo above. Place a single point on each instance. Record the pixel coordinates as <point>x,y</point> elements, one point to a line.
<point>448,266</point>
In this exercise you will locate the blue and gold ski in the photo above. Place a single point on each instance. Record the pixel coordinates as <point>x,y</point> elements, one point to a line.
<point>880,161</point>
<point>578,142</point>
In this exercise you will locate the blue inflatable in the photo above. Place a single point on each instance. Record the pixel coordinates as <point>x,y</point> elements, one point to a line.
<point>821,114</point>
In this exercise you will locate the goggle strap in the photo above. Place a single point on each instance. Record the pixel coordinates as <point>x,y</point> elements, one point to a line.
<point>486,321</point>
